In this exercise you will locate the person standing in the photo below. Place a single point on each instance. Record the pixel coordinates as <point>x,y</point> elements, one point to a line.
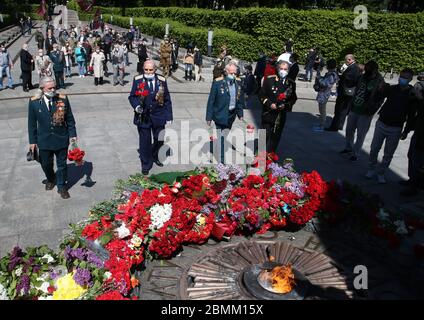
<point>27,65</point>
<point>96,62</point>
<point>107,39</point>
<point>50,41</point>
<point>175,48</point>
<point>58,59</point>
<point>118,64</point>
<point>399,107</point>
<point>309,65</point>
<point>142,55</point>
<point>289,46</point>
<point>165,56</point>
<point>129,37</point>
<point>345,92</point>
<point>294,68</point>
<point>323,85</point>
<point>40,39</point>
<point>366,101</point>
<point>416,146</point>
<point>6,64</point>
<point>51,128</point>
<point>43,64</point>
<point>249,85</point>
<point>225,102</point>
<point>188,64</point>
<point>81,58</point>
<point>277,95</point>
<point>152,106</point>
<point>67,53</point>
<point>29,25</point>
<point>198,62</point>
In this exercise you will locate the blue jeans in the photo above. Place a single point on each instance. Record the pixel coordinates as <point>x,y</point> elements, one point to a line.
<point>81,67</point>
<point>8,75</point>
<point>68,71</point>
<point>309,72</point>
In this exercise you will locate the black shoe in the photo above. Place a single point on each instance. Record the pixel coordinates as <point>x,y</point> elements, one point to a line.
<point>145,172</point>
<point>330,129</point>
<point>49,185</point>
<point>158,163</point>
<point>353,158</point>
<point>405,183</point>
<point>64,193</point>
<point>344,151</point>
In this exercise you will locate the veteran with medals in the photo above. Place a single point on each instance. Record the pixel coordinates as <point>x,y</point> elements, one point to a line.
<point>152,106</point>
<point>51,127</point>
<point>277,95</point>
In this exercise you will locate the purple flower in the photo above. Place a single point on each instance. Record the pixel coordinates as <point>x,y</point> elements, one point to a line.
<point>15,258</point>
<point>82,277</point>
<point>36,269</point>
<point>94,259</point>
<point>225,171</point>
<point>77,253</point>
<point>53,275</point>
<point>23,285</point>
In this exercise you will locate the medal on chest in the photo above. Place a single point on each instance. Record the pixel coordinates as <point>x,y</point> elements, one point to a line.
<point>58,117</point>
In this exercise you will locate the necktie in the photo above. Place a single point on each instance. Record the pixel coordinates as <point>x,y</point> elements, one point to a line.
<point>150,85</point>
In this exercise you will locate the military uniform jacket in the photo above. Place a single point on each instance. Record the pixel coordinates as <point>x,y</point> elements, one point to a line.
<point>50,130</point>
<point>219,101</point>
<point>271,90</point>
<point>158,113</point>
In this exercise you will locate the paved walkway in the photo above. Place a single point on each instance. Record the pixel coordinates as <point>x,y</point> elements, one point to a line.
<point>32,216</point>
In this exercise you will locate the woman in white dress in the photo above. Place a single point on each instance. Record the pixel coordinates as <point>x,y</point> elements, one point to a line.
<point>96,63</point>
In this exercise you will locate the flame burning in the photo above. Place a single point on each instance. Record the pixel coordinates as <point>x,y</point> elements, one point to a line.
<point>280,279</point>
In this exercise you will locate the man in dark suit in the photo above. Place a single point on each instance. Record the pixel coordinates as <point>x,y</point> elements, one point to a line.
<point>58,58</point>
<point>345,92</point>
<point>225,102</point>
<point>50,41</point>
<point>152,105</point>
<point>27,64</point>
<point>51,127</point>
<point>294,68</point>
<point>142,55</point>
<point>278,95</point>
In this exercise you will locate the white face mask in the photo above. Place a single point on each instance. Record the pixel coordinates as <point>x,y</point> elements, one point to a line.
<point>283,73</point>
<point>40,54</point>
<point>50,94</point>
<point>149,76</point>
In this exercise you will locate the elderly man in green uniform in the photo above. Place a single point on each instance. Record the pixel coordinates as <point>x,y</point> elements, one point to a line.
<point>226,101</point>
<point>51,127</point>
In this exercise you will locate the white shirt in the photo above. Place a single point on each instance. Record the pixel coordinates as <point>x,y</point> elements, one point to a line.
<point>285,57</point>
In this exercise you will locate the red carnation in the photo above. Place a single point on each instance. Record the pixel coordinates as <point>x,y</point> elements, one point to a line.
<point>145,93</point>
<point>51,289</point>
<point>281,96</point>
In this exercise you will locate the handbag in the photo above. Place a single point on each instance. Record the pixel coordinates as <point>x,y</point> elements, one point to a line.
<point>33,155</point>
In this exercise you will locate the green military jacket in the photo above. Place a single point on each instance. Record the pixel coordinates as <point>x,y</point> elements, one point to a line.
<point>50,129</point>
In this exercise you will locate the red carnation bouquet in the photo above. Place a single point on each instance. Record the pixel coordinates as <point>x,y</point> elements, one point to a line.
<point>142,92</point>
<point>76,154</point>
<point>281,100</point>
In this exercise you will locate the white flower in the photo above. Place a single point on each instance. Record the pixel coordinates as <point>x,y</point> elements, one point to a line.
<point>136,241</point>
<point>200,219</point>
<point>401,227</point>
<point>123,231</point>
<point>382,214</point>
<point>159,215</point>
<point>3,293</point>
<point>48,257</point>
<point>107,275</point>
<point>18,272</point>
<point>45,298</point>
<point>44,286</point>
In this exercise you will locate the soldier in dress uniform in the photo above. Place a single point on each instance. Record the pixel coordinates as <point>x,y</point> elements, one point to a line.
<point>51,127</point>
<point>278,95</point>
<point>152,105</point>
<point>225,102</point>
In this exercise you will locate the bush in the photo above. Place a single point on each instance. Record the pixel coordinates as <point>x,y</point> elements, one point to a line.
<point>393,40</point>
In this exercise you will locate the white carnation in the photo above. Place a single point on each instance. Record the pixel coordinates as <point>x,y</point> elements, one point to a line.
<point>136,241</point>
<point>3,293</point>
<point>159,215</point>
<point>107,275</point>
<point>44,286</point>
<point>123,231</point>
<point>48,257</point>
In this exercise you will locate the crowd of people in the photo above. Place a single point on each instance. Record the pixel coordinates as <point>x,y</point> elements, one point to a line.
<point>360,90</point>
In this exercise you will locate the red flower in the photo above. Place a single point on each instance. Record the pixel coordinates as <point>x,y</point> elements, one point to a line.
<point>145,93</point>
<point>51,289</point>
<point>111,295</point>
<point>142,85</point>
<point>76,155</point>
<point>138,93</point>
<point>281,96</point>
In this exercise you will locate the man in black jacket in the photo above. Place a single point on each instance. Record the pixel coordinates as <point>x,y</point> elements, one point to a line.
<point>142,55</point>
<point>27,63</point>
<point>50,41</point>
<point>294,68</point>
<point>345,92</point>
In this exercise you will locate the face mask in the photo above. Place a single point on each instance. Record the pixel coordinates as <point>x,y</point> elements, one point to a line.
<point>283,73</point>
<point>149,76</point>
<point>230,77</point>
<point>97,51</point>
<point>40,54</point>
<point>50,94</point>
<point>403,81</point>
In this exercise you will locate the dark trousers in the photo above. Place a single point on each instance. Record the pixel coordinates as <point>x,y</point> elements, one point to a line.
<point>46,159</point>
<point>341,111</point>
<point>415,163</point>
<point>222,137</point>
<point>26,80</point>
<point>273,132</point>
<point>60,83</point>
<point>98,81</point>
<point>149,151</point>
